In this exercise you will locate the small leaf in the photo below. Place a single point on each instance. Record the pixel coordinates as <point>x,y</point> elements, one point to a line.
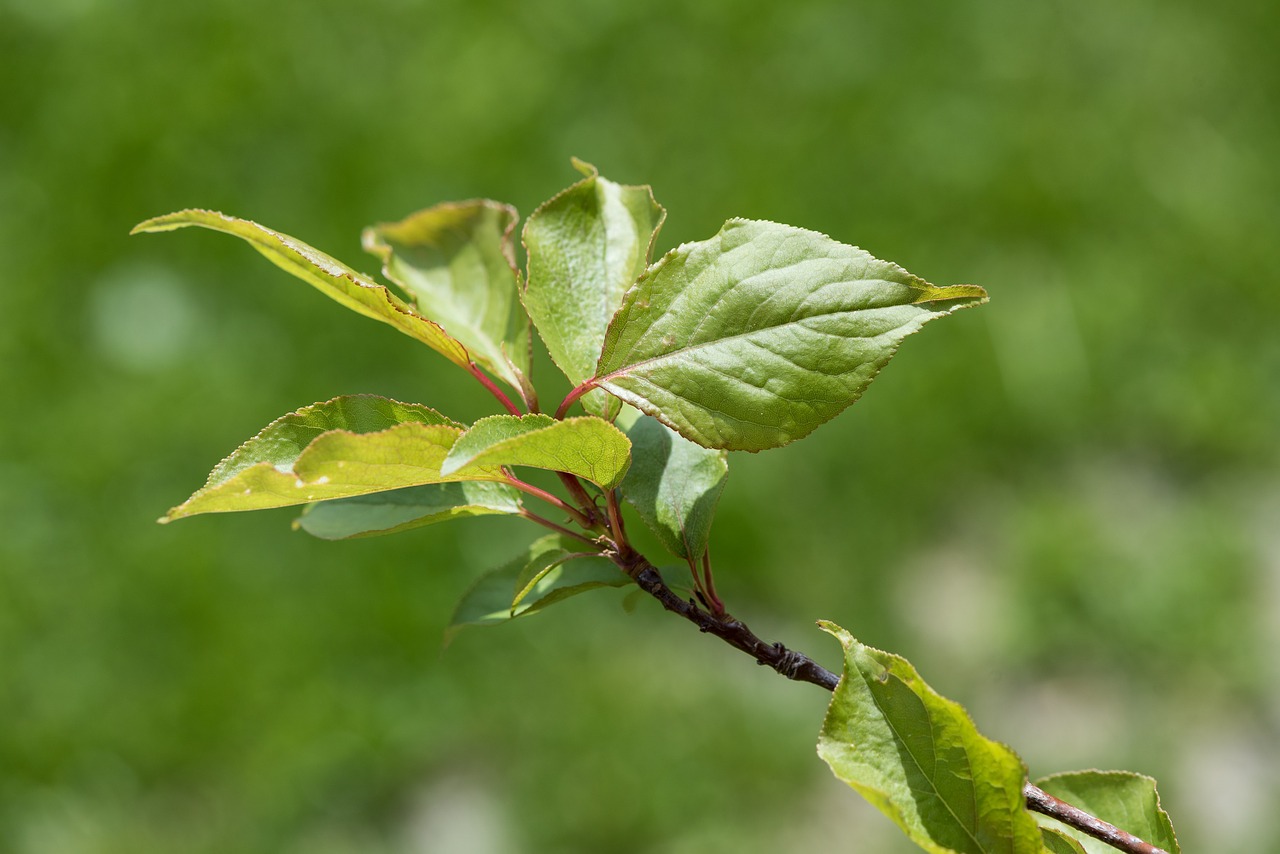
<point>586,246</point>
<point>919,759</point>
<point>344,447</point>
<point>457,262</point>
<point>1056,842</point>
<point>489,601</point>
<point>331,277</point>
<point>404,509</point>
<point>588,447</point>
<point>754,338</point>
<point>1127,800</point>
<point>533,580</point>
<point>672,483</point>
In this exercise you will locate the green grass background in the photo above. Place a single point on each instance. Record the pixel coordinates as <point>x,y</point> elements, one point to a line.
<point>1062,507</point>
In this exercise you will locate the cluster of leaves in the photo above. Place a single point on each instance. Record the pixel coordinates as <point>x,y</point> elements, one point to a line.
<point>746,341</point>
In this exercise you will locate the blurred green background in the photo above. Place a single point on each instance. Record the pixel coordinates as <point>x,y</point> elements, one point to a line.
<point>1062,506</point>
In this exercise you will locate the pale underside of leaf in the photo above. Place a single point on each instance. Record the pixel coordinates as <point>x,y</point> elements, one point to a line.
<point>586,246</point>
<point>404,509</point>
<point>562,571</point>
<point>341,448</point>
<point>1124,799</point>
<point>331,277</point>
<point>457,262</point>
<point>754,338</point>
<point>587,447</point>
<point>673,484</point>
<point>919,759</point>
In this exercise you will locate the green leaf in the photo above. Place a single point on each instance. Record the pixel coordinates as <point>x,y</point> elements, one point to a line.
<point>331,277</point>
<point>404,509</point>
<point>1056,842</point>
<point>562,572</point>
<point>919,759</point>
<point>586,246</point>
<point>588,447</point>
<point>754,338</point>
<point>673,484</point>
<point>457,262</point>
<point>1127,800</point>
<point>344,447</point>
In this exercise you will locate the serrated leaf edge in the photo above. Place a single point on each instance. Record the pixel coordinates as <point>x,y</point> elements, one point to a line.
<point>171,222</point>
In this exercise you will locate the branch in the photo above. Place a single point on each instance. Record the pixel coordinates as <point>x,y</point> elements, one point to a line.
<point>801,668</point>
<point>1044,803</point>
<point>793,665</point>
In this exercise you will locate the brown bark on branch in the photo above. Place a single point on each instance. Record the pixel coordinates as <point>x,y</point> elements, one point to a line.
<point>801,668</point>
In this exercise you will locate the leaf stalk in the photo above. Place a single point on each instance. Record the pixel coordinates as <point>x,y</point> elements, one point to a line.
<point>572,397</point>
<point>484,380</point>
<point>560,529</point>
<point>554,501</point>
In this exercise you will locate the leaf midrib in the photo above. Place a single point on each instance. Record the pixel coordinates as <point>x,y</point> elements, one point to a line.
<point>919,767</point>
<point>694,347</point>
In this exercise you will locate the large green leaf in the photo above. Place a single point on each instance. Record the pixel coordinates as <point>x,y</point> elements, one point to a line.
<point>588,447</point>
<point>338,449</point>
<point>1127,800</point>
<point>331,277</point>
<point>403,509</point>
<point>919,759</point>
<point>672,483</point>
<point>754,338</point>
<point>457,262</point>
<point>550,570</point>
<point>586,246</point>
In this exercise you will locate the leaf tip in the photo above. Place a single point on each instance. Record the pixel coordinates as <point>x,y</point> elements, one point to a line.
<point>833,630</point>
<point>933,293</point>
<point>584,167</point>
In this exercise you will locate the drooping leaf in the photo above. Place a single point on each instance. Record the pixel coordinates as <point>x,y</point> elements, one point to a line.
<point>1056,842</point>
<point>344,447</point>
<point>672,483</point>
<point>588,447</point>
<point>754,338</point>
<point>586,246</point>
<point>404,509</point>
<point>490,600</point>
<point>457,262</point>
<point>331,277</point>
<point>919,759</point>
<point>1127,800</point>
<point>539,576</point>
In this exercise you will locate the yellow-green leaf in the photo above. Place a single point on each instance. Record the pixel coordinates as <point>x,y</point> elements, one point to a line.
<point>588,447</point>
<point>331,277</point>
<point>338,449</point>
<point>586,246</point>
<point>456,260</point>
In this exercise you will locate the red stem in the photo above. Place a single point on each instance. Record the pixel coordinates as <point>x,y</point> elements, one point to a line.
<point>585,503</point>
<point>573,396</point>
<point>547,523</point>
<point>553,500</point>
<point>493,389</point>
<point>615,525</point>
<point>714,601</point>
